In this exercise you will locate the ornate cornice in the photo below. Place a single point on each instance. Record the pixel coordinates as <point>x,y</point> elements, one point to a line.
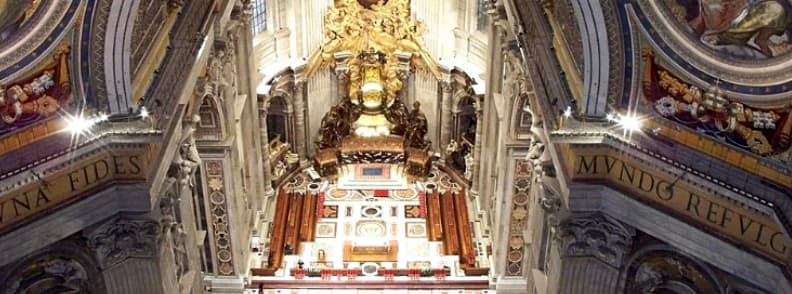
<point>122,238</point>
<point>596,235</point>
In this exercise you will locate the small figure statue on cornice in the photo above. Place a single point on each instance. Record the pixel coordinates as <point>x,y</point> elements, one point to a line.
<point>397,114</point>
<point>328,132</point>
<point>417,129</point>
<point>180,251</point>
<point>187,158</point>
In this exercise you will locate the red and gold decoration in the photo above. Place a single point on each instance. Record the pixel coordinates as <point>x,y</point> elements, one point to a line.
<point>36,97</point>
<point>384,27</point>
<point>709,111</point>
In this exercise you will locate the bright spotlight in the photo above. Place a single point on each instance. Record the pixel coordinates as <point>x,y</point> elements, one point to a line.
<point>611,117</point>
<point>630,123</point>
<point>78,125</point>
<point>568,112</point>
<point>144,112</point>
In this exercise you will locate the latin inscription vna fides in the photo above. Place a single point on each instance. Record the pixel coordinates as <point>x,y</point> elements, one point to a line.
<point>62,186</point>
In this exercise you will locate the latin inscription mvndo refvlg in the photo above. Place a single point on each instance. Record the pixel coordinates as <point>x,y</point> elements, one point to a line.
<point>714,211</point>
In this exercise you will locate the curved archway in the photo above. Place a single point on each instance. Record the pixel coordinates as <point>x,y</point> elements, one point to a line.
<point>61,268</point>
<point>117,70</point>
<point>279,121</point>
<point>660,268</point>
<point>212,125</point>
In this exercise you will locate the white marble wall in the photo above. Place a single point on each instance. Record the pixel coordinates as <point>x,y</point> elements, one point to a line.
<point>427,93</point>
<point>318,101</point>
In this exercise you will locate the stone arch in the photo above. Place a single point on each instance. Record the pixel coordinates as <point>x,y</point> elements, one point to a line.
<point>596,57</point>
<point>660,267</point>
<point>60,268</point>
<point>280,122</point>
<point>465,119</point>
<point>278,106</point>
<point>522,116</point>
<point>117,57</point>
<point>212,126</point>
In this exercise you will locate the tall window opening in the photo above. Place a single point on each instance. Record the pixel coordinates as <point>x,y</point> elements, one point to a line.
<point>259,16</point>
<point>482,19</point>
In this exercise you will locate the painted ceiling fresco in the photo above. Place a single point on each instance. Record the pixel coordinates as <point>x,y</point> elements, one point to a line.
<point>747,29</point>
<point>14,15</point>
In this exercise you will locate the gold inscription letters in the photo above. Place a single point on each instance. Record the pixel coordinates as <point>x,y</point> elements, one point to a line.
<point>716,212</point>
<point>119,165</point>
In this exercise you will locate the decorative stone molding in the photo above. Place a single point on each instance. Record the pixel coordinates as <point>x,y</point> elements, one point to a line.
<point>222,71</point>
<point>120,239</point>
<point>518,222</point>
<point>218,207</point>
<point>596,235</point>
<point>282,86</point>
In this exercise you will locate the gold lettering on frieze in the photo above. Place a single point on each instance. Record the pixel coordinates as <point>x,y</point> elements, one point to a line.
<point>117,165</point>
<point>638,179</point>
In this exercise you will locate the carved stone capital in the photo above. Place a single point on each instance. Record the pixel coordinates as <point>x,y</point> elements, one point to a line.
<point>120,239</point>
<point>596,235</point>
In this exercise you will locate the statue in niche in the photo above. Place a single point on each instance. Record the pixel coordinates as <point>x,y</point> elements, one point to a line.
<point>745,28</point>
<point>397,114</point>
<point>417,129</point>
<point>180,251</point>
<point>187,159</point>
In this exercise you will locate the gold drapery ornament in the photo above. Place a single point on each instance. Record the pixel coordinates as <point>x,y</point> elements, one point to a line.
<point>385,27</point>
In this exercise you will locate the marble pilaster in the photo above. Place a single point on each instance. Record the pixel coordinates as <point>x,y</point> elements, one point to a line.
<point>299,118</point>
<point>342,74</point>
<point>265,151</point>
<point>445,113</point>
<point>593,250</point>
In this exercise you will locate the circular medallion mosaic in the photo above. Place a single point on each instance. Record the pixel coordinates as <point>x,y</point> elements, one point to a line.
<point>337,194</point>
<point>405,194</point>
<point>521,198</point>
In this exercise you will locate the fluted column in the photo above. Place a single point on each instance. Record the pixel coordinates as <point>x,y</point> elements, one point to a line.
<point>486,115</point>
<point>476,163</point>
<point>342,74</point>
<point>445,114</point>
<point>265,153</point>
<point>593,249</point>
<point>299,118</point>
